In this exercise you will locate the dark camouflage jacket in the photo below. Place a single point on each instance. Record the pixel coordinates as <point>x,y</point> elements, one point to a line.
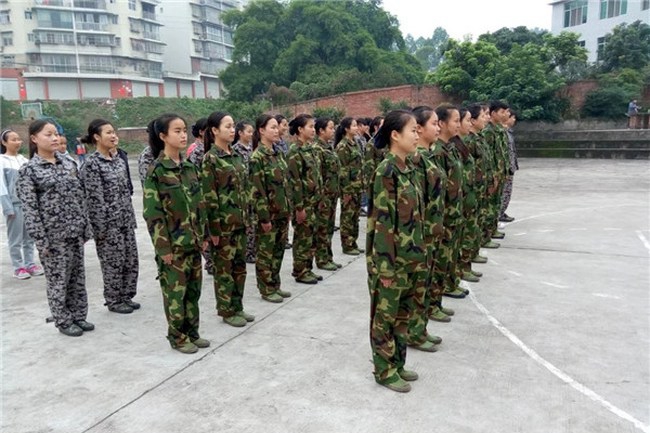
<point>269,185</point>
<point>451,162</point>
<point>330,167</point>
<point>351,178</point>
<point>431,180</point>
<point>173,206</point>
<point>144,162</point>
<point>107,193</point>
<point>395,223</point>
<point>371,159</point>
<point>196,155</point>
<point>305,181</point>
<point>54,205</point>
<point>224,178</point>
<point>496,139</point>
<point>469,175</point>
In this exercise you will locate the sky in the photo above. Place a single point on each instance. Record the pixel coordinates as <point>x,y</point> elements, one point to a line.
<point>463,17</point>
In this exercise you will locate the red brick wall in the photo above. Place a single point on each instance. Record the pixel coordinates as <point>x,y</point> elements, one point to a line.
<point>365,103</point>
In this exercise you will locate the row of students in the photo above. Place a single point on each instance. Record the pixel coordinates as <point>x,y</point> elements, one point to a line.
<point>435,200</point>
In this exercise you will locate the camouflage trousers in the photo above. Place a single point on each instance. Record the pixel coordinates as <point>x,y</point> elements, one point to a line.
<point>181,289</point>
<point>229,258</point>
<point>66,281</point>
<point>471,236</point>
<point>390,310</point>
<point>491,216</point>
<point>448,259</point>
<point>437,275</point>
<point>304,246</point>
<point>349,221</point>
<point>325,230</point>
<point>250,243</point>
<point>506,195</point>
<point>481,212</point>
<point>270,253</point>
<point>419,319</point>
<point>118,258</point>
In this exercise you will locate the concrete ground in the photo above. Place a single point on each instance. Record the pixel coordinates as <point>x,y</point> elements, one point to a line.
<point>555,338</point>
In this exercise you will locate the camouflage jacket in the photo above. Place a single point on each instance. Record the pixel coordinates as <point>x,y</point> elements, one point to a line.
<point>52,196</point>
<point>224,178</point>
<point>473,143</point>
<point>196,155</point>
<point>244,151</point>
<point>269,185</point>
<point>107,193</point>
<point>395,223</point>
<point>173,206</point>
<point>330,167</point>
<point>371,159</point>
<point>469,174</point>
<point>144,162</point>
<point>350,179</point>
<point>496,139</point>
<point>450,161</point>
<point>430,178</point>
<point>305,181</point>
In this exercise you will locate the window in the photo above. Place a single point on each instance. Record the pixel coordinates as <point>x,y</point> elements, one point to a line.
<point>54,19</point>
<point>8,61</point>
<point>581,44</point>
<point>612,8</point>
<point>132,5</point>
<point>7,39</point>
<point>601,46</point>
<point>28,15</point>
<point>575,13</point>
<point>645,5</point>
<point>4,17</point>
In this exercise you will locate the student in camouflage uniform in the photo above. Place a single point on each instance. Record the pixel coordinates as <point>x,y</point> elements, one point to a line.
<point>305,185</point>
<point>269,189</point>
<point>429,178</point>
<point>196,158</point>
<point>144,162</point>
<point>484,178</point>
<point>513,166</point>
<point>224,178</point>
<point>56,218</point>
<point>448,259</point>
<point>471,229</point>
<point>174,212</point>
<point>244,146</point>
<point>497,139</point>
<point>372,156</point>
<point>326,215</point>
<point>351,182</point>
<point>105,179</point>
<point>397,253</point>
<point>198,131</point>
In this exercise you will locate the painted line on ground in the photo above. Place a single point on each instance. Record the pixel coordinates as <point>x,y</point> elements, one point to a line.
<point>518,234</point>
<point>643,240</point>
<point>578,229</point>
<point>605,295</point>
<point>517,274</point>
<point>612,229</point>
<point>592,395</point>
<point>557,286</point>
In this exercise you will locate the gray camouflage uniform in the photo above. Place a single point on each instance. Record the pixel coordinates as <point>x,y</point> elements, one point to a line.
<point>56,218</point>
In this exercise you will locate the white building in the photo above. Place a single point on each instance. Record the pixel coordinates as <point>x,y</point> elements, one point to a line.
<point>593,19</point>
<point>87,49</point>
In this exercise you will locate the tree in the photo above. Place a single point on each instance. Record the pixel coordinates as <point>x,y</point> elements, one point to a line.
<point>428,51</point>
<point>525,76</point>
<point>316,48</point>
<point>627,46</point>
<point>505,38</point>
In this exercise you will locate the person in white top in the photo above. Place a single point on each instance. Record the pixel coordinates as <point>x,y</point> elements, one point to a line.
<point>21,246</point>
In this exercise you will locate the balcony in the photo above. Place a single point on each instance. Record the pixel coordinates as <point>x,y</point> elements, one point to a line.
<point>149,15</point>
<point>78,4</point>
<point>53,3</point>
<point>90,4</point>
<point>95,27</point>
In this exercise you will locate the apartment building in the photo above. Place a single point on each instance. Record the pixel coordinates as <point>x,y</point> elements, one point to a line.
<point>593,19</point>
<point>87,49</point>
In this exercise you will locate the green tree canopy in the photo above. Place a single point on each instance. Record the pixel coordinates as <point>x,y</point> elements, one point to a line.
<point>524,70</point>
<point>316,48</point>
<point>627,46</point>
<point>428,50</point>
